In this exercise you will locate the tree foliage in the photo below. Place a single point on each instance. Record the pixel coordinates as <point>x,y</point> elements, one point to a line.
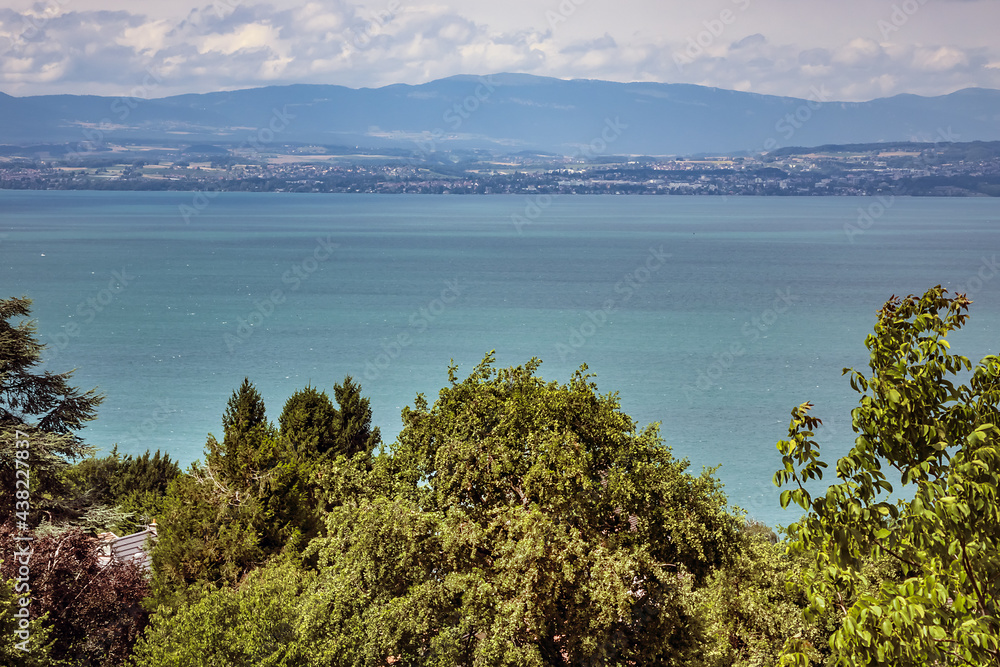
<point>93,610</point>
<point>353,431</point>
<point>568,534</point>
<point>260,490</point>
<point>129,487</point>
<point>516,522</point>
<point>940,438</point>
<point>254,625</point>
<point>308,423</point>
<point>41,404</point>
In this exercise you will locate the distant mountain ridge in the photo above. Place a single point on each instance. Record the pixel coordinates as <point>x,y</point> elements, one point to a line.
<point>506,113</point>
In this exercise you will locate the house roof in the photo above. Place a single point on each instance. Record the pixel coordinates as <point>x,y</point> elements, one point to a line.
<point>134,547</point>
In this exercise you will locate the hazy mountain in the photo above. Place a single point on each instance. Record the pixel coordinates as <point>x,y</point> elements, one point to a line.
<point>508,112</point>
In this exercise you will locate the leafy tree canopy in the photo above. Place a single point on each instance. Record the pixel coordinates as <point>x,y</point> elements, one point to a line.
<point>939,439</point>
<point>529,523</point>
<point>91,611</point>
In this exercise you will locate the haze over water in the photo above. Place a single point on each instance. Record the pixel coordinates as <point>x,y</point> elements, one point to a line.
<point>714,316</point>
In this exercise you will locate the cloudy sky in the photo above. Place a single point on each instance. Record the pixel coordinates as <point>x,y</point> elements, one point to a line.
<point>852,49</point>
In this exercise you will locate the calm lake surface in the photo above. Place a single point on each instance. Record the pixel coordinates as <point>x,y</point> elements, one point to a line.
<point>713,316</point>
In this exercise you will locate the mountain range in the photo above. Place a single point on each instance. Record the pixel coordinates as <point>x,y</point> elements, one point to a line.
<point>504,113</point>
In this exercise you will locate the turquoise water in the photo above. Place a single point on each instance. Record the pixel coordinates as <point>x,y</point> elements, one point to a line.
<point>712,316</point>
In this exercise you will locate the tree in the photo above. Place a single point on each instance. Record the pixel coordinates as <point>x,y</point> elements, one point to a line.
<point>755,605</point>
<point>353,428</point>
<point>252,625</point>
<point>218,521</point>
<point>260,490</point>
<point>249,448</point>
<point>133,487</point>
<point>537,527</point>
<point>93,610</point>
<point>313,427</point>
<point>308,423</point>
<point>206,539</point>
<point>943,529</point>
<point>41,405</point>
<point>516,522</point>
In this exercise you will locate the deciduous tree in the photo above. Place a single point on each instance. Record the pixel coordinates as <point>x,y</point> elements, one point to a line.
<point>916,423</point>
<point>540,527</point>
<point>94,610</point>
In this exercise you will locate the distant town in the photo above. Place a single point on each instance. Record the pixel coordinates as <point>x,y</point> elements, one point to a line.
<point>900,168</point>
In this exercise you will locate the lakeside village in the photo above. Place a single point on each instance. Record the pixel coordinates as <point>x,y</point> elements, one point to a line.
<point>900,168</point>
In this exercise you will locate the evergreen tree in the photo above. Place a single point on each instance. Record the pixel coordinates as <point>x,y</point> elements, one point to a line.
<point>354,433</point>
<point>249,444</point>
<point>41,406</point>
<point>259,491</point>
<point>308,423</point>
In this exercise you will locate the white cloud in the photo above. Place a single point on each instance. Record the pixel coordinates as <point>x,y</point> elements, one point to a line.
<point>939,59</point>
<point>250,36</point>
<point>766,48</point>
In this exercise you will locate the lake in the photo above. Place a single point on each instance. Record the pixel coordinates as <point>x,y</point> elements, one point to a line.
<point>713,316</point>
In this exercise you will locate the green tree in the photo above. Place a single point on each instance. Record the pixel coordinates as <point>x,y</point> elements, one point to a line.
<point>218,522</point>
<point>353,428</point>
<point>207,539</point>
<point>252,625</point>
<point>517,522</point>
<point>537,526</point>
<point>249,447</point>
<point>260,490</point>
<point>941,438</point>
<point>308,423</point>
<point>41,405</point>
<point>131,487</point>
<point>331,451</point>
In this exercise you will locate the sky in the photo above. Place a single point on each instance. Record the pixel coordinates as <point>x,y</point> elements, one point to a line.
<point>849,49</point>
